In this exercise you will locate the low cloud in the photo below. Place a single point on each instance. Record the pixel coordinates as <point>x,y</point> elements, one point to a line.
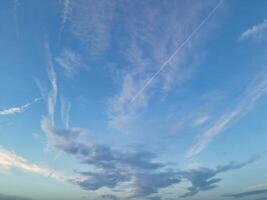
<point>247,194</point>
<point>203,179</point>
<point>11,197</point>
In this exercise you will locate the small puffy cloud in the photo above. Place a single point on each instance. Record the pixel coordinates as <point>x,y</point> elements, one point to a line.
<point>257,32</point>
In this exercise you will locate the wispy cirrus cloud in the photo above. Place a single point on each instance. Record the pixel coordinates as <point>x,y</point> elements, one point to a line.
<point>65,13</point>
<point>90,22</point>
<point>19,109</point>
<point>257,32</point>
<point>69,61</point>
<point>246,102</point>
<point>152,55</point>
<point>11,160</point>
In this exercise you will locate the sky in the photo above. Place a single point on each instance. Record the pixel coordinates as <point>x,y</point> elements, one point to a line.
<point>128,99</point>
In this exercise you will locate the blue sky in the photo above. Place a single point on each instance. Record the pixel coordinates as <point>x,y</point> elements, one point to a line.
<point>148,100</point>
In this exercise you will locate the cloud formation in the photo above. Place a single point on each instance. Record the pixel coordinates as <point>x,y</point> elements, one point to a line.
<point>115,169</point>
<point>203,179</point>
<point>20,109</point>
<point>247,194</point>
<point>90,22</point>
<point>257,32</point>
<point>112,167</point>
<point>70,62</point>
<point>11,197</point>
<point>152,52</point>
<point>247,101</point>
<point>11,160</point>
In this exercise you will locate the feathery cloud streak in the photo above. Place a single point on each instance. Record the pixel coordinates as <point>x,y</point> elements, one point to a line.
<point>194,32</point>
<point>257,31</point>
<point>9,160</point>
<point>20,109</point>
<point>247,101</point>
<point>151,49</point>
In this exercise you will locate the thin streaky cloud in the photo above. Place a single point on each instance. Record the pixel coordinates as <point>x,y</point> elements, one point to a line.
<point>247,101</point>
<point>19,109</point>
<point>247,194</point>
<point>65,13</point>
<point>254,31</point>
<point>65,110</point>
<point>194,32</point>
<point>10,160</point>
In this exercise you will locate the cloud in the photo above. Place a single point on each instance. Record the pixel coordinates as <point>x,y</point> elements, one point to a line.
<point>203,179</point>
<point>111,167</point>
<point>133,171</point>
<point>65,13</point>
<point>152,52</point>
<point>49,95</point>
<point>11,197</point>
<point>247,101</point>
<point>91,22</point>
<point>201,120</point>
<point>65,112</point>
<point>20,109</point>
<point>257,31</point>
<point>11,160</point>
<point>70,62</point>
<point>147,183</point>
<point>247,194</point>
<point>109,197</point>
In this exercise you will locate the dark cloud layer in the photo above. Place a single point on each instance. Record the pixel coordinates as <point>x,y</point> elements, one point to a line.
<point>138,168</point>
<point>203,179</point>
<point>9,197</point>
<point>248,194</point>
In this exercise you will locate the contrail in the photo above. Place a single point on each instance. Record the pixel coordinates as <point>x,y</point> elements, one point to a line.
<point>177,50</point>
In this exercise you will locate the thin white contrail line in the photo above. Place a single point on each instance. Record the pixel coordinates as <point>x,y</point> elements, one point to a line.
<point>177,50</point>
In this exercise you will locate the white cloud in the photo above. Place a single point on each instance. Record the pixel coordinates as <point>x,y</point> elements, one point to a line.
<point>20,109</point>
<point>246,102</point>
<point>257,31</point>
<point>11,160</point>
<point>70,62</point>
